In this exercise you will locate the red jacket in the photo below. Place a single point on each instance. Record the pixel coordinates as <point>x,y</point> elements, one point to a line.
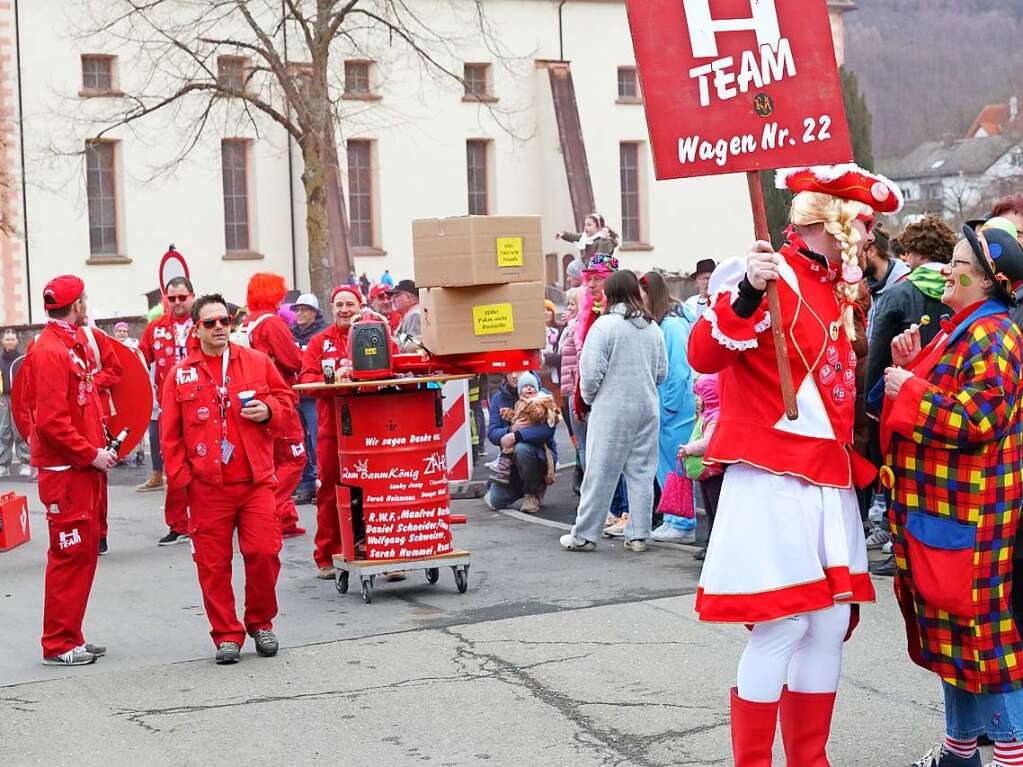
<point>752,427</point>
<point>331,343</point>
<point>159,347</point>
<point>272,336</point>
<point>64,397</point>
<point>190,429</point>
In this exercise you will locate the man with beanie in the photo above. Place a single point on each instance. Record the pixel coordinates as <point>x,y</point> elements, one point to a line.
<point>69,450</point>
<point>882,269</point>
<point>529,445</point>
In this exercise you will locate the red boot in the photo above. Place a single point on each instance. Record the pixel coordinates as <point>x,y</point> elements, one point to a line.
<point>805,726</point>
<point>753,727</point>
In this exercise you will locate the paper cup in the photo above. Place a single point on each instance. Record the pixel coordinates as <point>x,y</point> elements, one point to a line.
<point>245,397</point>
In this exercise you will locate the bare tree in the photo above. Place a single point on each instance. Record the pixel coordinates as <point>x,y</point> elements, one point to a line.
<point>291,76</point>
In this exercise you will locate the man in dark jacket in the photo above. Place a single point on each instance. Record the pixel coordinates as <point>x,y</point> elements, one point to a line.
<point>11,442</point>
<point>310,322</point>
<point>529,461</point>
<point>882,270</point>
<point>928,245</point>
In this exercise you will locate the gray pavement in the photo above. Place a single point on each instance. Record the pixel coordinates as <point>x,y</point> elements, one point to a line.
<point>550,658</point>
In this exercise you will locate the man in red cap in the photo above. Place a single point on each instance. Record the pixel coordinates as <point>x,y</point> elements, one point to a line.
<point>223,407</point>
<point>382,303</point>
<point>164,343</point>
<point>327,355</point>
<point>269,334</point>
<point>69,450</point>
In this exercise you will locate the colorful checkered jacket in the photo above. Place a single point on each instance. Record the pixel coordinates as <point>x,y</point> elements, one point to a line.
<point>953,439</point>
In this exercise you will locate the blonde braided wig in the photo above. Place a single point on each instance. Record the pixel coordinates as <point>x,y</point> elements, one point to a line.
<point>837,215</point>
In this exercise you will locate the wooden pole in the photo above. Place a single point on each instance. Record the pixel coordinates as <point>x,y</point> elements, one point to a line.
<point>781,346</point>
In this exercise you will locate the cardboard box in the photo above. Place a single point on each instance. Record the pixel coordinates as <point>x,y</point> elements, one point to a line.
<point>477,250</point>
<point>14,527</point>
<point>483,318</point>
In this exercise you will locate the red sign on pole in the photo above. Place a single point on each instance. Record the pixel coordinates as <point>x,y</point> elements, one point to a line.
<point>738,85</point>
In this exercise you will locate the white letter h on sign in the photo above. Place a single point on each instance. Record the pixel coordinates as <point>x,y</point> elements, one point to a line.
<point>703,29</point>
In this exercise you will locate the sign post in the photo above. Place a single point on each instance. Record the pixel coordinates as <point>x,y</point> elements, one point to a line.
<point>741,86</point>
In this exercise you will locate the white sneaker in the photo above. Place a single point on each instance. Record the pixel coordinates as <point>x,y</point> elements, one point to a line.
<point>888,548</point>
<point>637,546</point>
<point>570,543</point>
<point>669,534</point>
<point>4,471</point>
<point>25,470</point>
<point>878,537</point>
<point>77,656</point>
<point>617,530</point>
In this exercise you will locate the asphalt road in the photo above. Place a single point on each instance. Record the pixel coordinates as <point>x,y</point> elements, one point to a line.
<point>550,658</point>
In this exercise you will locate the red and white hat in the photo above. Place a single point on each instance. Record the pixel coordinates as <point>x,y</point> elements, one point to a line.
<point>847,182</point>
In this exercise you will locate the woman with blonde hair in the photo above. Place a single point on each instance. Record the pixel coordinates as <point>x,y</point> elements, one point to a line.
<point>788,554</point>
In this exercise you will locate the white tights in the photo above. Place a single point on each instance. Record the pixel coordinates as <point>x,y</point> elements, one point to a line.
<point>804,652</point>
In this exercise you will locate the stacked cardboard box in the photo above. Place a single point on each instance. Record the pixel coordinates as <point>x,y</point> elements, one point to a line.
<point>481,283</point>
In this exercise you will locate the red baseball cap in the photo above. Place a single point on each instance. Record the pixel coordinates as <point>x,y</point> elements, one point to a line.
<point>377,291</point>
<point>353,289</point>
<point>62,291</point>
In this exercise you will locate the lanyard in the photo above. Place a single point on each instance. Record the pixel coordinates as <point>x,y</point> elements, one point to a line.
<point>222,398</point>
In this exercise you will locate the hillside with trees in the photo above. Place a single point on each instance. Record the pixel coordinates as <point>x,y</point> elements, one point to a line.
<point>927,67</point>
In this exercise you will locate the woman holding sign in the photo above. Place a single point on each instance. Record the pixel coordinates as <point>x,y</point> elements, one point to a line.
<point>788,554</point>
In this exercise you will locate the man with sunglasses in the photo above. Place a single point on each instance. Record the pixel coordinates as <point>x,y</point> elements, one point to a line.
<point>223,407</point>
<point>165,342</point>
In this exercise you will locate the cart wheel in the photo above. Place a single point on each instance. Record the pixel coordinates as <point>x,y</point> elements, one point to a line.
<point>367,591</point>
<point>432,574</point>
<point>462,580</point>
<point>342,582</point>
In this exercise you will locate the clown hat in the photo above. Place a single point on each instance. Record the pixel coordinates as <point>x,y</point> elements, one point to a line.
<point>602,263</point>
<point>999,253</point>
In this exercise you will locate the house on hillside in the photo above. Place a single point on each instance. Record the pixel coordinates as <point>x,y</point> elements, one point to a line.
<point>997,119</point>
<point>958,179</point>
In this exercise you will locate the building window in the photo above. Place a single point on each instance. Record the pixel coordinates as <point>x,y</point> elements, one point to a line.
<point>101,188</point>
<point>477,81</point>
<point>629,165</point>
<point>360,193</point>
<point>357,78</point>
<point>931,190</point>
<point>235,160</point>
<point>628,84</point>
<point>232,72</point>
<point>477,175</point>
<point>98,75</point>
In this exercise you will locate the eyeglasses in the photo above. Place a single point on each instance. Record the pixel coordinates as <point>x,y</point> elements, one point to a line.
<point>212,322</point>
<point>179,299</point>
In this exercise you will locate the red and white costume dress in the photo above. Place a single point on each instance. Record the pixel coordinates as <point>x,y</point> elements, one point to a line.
<point>788,537</point>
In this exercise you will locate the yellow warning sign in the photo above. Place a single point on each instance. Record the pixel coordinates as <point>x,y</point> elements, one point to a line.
<point>509,251</point>
<point>491,319</point>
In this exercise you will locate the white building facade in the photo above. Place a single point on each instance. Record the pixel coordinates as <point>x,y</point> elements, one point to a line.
<point>411,143</point>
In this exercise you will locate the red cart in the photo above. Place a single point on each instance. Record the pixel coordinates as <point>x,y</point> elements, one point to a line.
<point>393,499</point>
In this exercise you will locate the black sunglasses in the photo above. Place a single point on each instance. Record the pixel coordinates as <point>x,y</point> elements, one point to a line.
<point>177,299</point>
<point>212,322</point>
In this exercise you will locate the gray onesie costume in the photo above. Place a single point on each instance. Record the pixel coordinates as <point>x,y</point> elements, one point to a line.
<point>622,363</point>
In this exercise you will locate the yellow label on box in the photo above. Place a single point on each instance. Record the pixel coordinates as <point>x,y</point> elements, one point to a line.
<point>491,319</point>
<point>509,251</point>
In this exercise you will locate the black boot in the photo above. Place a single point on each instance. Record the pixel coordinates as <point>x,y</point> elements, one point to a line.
<point>577,479</point>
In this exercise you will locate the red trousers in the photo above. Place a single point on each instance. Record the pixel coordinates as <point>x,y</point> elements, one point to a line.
<point>72,500</point>
<point>175,510</point>
<point>328,525</point>
<point>216,512</point>
<point>102,510</point>
<point>288,467</point>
